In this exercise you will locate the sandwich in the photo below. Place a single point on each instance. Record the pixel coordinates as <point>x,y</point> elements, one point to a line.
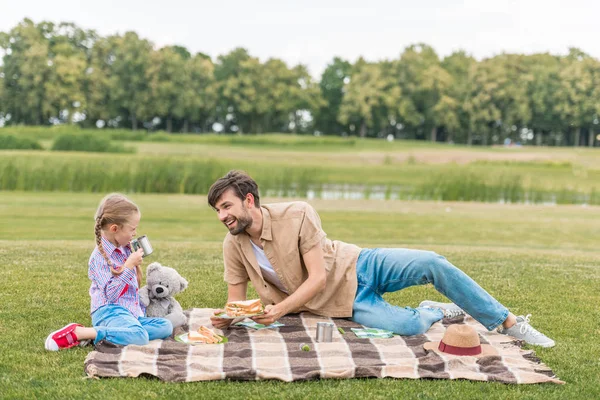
<point>204,335</point>
<point>241,308</point>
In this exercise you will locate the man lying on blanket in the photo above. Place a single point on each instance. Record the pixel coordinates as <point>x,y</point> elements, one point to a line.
<point>294,267</point>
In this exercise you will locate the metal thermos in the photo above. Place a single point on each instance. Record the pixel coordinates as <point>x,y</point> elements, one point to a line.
<point>324,331</point>
<point>142,243</point>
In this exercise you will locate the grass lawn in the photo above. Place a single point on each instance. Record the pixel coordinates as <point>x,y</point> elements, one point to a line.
<point>541,260</point>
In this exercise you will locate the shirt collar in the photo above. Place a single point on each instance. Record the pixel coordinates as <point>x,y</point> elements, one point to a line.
<point>266,227</point>
<point>109,248</point>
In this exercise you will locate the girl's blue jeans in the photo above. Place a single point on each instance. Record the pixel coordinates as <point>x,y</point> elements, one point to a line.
<point>117,325</point>
<point>388,270</point>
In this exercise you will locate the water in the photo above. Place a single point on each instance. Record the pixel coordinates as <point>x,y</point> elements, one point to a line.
<point>382,192</point>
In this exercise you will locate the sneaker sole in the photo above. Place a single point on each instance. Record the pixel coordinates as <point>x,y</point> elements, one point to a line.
<point>50,343</point>
<point>544,345</point>
<point>547,346</point>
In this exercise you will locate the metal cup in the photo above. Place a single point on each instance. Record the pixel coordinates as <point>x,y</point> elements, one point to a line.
<point>142,243</point>
<point>324,331</point>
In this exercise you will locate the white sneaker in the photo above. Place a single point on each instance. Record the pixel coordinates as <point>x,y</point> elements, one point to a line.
<point>522,330</point>
<point>450,310</point>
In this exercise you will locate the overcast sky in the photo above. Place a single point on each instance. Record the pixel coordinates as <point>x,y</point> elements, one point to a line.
<point>312,32</point>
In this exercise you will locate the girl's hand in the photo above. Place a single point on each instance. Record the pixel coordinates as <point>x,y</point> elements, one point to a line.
<point>134,259</point>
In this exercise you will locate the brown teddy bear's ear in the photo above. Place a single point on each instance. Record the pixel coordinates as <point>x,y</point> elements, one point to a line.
<point>183,283</point>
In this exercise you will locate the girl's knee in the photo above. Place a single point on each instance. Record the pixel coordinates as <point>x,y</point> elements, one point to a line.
<point>139,336</point>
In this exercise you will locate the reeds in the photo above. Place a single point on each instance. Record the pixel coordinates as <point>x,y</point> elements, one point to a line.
<point>97,172</point>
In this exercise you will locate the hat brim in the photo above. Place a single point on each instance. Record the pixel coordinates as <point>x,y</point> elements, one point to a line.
<point>486,350</point>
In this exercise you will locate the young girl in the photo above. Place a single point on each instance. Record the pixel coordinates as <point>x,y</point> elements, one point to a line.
<point>115,272</point>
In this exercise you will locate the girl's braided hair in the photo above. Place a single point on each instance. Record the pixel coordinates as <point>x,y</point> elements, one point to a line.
<point>113,209</point>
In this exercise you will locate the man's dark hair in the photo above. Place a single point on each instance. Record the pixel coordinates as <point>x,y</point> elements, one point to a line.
<point>239,182</point>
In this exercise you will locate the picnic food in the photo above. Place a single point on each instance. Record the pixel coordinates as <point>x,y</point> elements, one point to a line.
<point>304,347</point>
<point>241,308</point>
<point>204,335</point>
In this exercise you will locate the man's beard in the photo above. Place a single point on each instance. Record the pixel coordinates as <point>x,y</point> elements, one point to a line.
<point>243,223</point>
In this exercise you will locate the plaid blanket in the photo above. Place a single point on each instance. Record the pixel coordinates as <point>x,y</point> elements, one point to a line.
<point>277,354</point>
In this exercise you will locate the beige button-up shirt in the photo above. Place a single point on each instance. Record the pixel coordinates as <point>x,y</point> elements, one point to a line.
<point>289,231</point>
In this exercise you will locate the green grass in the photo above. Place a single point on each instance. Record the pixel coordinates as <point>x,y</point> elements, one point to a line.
<point>535,259</point>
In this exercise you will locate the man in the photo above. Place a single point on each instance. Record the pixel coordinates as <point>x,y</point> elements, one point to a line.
<point>282,249</point>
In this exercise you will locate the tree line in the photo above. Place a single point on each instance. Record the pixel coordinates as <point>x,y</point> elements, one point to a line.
<point>63,74</point>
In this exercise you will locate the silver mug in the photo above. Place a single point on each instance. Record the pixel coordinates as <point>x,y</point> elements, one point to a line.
<point>324,331</point>
<point>142,243</point>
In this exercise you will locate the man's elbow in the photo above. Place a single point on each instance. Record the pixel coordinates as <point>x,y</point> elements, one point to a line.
<point>321,281</point>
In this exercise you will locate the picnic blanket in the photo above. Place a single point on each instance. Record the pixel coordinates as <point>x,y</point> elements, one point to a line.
<point>253,354</point>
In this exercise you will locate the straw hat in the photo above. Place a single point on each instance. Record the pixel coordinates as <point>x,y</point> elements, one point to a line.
<point>461,340</point>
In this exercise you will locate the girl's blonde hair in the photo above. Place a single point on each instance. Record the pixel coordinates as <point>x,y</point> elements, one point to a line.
<point>114,208</point>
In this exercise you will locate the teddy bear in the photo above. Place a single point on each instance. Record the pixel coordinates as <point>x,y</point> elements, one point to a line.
<point>162,283</point>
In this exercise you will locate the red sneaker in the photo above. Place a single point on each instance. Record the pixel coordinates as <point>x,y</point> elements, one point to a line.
<point>63,338</point>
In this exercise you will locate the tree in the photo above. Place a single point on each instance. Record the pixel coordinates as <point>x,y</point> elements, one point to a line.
<point>332,91</point>
<point>241,93</point>
<point>200,101</point>
<point>68,60</point>
<point>257,97</point>
<point>26,70</point>
<point>2,98</point>
<point>497,103</point>
<point>421,78</point>
<point>129,80</point>
<point>543,84</point>
<point>98,93</point>
<point>228,74</point>
<point>305,99</point>
<point>169,83</point>
<point>438,107</point>
<point>287,95</point>
<point>372,98</point>
<point>577,101</point>
<point>450,112</point>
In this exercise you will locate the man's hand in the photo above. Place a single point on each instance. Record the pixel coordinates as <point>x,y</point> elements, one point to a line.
<point>220,323</point>
<point>272,314</point>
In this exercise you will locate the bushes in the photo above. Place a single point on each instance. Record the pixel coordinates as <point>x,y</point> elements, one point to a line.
<point>87,142</point>
<point>66,142</point>
<point>10,142</point>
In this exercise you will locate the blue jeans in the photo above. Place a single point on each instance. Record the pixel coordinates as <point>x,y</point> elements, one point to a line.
<point>387,270</point>
<point>117,325</point>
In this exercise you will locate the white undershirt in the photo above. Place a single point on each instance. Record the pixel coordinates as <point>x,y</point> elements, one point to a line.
<point>267,269</point>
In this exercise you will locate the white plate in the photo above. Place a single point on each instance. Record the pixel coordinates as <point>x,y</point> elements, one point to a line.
<point>224,315</point>
<point>183,338</point>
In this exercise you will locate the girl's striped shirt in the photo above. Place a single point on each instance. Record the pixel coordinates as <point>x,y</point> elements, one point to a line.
<point>107,288</point>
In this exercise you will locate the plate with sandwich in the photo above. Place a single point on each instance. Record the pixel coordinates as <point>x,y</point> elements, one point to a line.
<point>242,309</point>
<point>202,335</point>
